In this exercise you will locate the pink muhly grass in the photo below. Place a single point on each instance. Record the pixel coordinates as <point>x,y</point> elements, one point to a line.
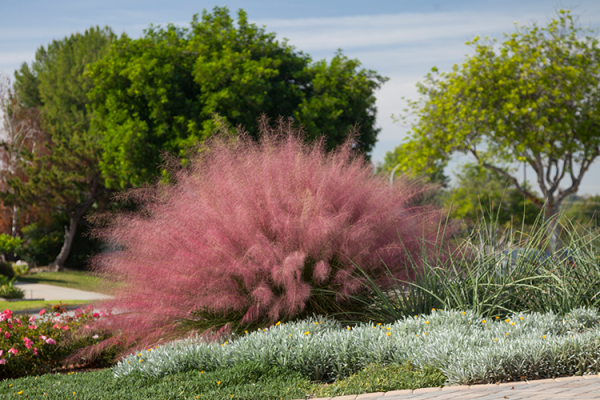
<point>248,230</point>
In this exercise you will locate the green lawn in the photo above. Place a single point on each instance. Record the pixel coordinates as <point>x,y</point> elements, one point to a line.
<point>71,279</point>
<point>31,305</point>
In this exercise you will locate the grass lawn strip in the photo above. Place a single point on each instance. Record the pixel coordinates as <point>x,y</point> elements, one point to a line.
<point>72,279</point>
<point>15,306</point>
<point>246,381</point>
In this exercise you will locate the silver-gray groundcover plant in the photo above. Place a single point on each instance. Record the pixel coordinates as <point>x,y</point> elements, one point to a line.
<point>466,347</point>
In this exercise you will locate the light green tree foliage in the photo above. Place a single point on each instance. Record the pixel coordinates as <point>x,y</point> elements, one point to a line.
<point>480,192</point>
<point>395,161</point>
<point>65,174</point>
<point>583,209</point>
<point>532,97</point>
<point>161,92</point>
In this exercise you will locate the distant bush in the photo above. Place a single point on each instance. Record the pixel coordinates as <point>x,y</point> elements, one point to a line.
<point>8,290</point>
<point>253,232</point>
<point>6,270</point>
<point>10,245</point>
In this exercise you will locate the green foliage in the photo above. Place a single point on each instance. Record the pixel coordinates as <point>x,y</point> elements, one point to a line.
<point>7,270</point>
<point>10,245</point>
<point>161,92</point>
<point>384,378</point>
<point>41,343</point>
<point>64,175</point>
<point>479,191</point>
<point>8,290</point>
<point>43,241</point>
<point>399,158</point>
<point>585,210</point>
<point>532,97</point>
<point>494,272</point>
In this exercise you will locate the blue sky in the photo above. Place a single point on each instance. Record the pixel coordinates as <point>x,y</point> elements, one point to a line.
<point>399,39</point>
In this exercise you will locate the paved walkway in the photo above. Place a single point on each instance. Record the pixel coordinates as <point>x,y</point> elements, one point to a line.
<point>51,292</point>
<point>575,387</point>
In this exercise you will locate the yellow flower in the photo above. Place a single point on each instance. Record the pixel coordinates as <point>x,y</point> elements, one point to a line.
<point>424,333</point>
<point>417,335</point>
<point>201,372</point>
<point>128,362</point>
<point>245,331</point>
<point>349,328</point>
<point>497,317</point>
<point>416,316</point>
<point>379,324</point>
<point>389,329</point>
<point>316,323</point>
<point>463,313</point>
<point>139,355</point>
<point>307,332</point>
<point>433,309</point>
<point>265,329</point>
<point>218,382</point>
<point>522,318</point>
<point>141,360</point>
<point>506,333</point>
<point>512,323</point>
<point>495,339</point>
<point>507,320</point>
<point>74,393</point>
<point>426,322</point>
<point>20,392</point>
<point>544,337</point>
<point>278,322</point>
<point>290,335</point>
<point>389,333</point>
<point>483,322</point>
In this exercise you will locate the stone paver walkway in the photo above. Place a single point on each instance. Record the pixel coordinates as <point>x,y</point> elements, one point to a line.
<point>575,387</point>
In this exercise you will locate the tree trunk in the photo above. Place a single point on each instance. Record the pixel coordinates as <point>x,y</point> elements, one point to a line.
<point>59,263</point>
<point>15,220</point>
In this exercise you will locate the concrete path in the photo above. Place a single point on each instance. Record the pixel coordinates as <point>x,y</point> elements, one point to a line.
<point>575,387</point>
<point>51,292</point>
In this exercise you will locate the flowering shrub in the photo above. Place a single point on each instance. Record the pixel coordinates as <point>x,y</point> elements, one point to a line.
<point>253,232</point>
<point>31,344</point>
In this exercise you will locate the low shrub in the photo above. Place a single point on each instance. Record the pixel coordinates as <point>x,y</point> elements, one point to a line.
<point>6,270</point>
<point>8,290</point>
<point>249,233</point>
<point>467,347</point>
<point>32,345</point>
<point>9,245</point>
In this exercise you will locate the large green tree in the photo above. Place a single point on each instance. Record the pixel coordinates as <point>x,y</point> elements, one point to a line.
<point>161,92</point>
<point>532,97</point>
<point>65,176</point>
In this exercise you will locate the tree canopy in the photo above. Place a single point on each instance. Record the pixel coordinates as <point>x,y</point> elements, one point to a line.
<point>65,176</point>
<point>531,98</point>
<point>162,91</point>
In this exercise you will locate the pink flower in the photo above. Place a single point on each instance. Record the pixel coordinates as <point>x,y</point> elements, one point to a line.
<point>89,309</point>
<point>8,314</point>
<point>56,326</point>
<point>9,326</point>
<point>13,351</point>
<point>35,353</point>
<point>6,335</point>
<point>87,327</point>
<point>66,328</point>
<point>2,362</point>
<point>43,337</point>
<point>50,341</point>
<point>96,315</point>
<point>56,314</point>
<point>28,342</point>
<point>42,312</point>
<point>1,352</point>
<point>32,326</point>
<point>32,319</point>
<point>18,320</point>
<point>78,312</point>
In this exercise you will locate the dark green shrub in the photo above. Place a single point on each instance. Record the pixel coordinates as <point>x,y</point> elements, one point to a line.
<point>43,242</point>
<point>6,270</point>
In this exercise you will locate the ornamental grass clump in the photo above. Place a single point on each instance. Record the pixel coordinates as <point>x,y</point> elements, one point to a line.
<point>251,232</point>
